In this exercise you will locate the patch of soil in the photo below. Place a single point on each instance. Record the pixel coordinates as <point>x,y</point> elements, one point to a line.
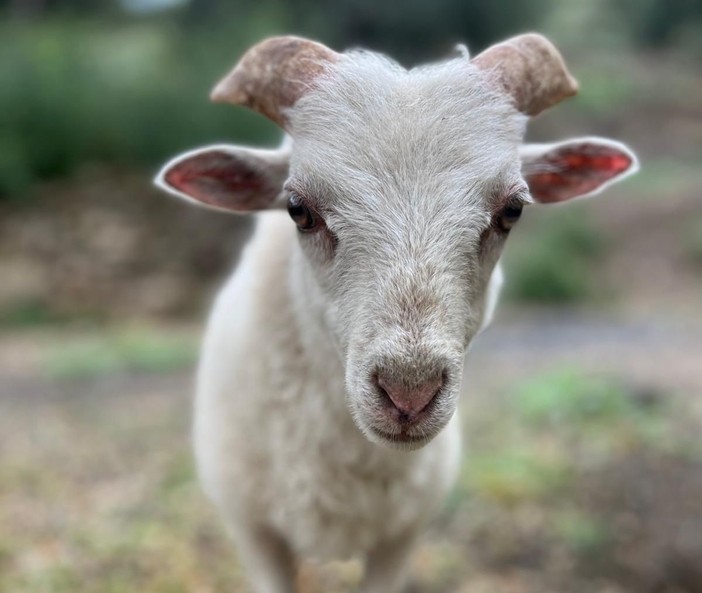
<point>108,243</point>
<point>653,507</point>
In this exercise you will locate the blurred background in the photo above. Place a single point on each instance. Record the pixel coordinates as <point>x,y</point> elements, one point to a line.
<point>583,408</point>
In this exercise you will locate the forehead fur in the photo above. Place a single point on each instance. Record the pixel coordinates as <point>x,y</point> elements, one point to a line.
<point>373,127</point>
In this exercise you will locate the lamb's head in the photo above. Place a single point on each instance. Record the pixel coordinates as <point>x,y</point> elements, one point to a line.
<point>403,186</point>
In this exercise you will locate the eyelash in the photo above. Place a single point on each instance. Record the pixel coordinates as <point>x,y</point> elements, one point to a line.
<point>309,221</point>
<point>306,219</point>
<point>508,216</point>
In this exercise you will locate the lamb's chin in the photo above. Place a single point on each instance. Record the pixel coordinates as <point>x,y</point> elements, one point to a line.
<point>405,440</point>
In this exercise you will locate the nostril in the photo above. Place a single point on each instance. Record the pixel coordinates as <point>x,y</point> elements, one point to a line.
<point>410,400</point>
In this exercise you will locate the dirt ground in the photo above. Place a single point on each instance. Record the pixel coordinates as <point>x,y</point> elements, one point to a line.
<point>97,488</point>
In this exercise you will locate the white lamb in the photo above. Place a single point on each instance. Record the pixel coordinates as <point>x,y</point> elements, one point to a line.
<point>325,421</point>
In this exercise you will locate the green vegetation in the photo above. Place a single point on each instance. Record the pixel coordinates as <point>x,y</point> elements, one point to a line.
<point>511,476</point>
<point>663,177</point>
<point>552,260</point>
<point>121,351</point>
<point>83,83</point>
<point>602,91</point>
<point>28,313</point>
<point>106,88</point>
<point>550,422</point>
<point>77,93</point>
<point>542,476</point>
<point>568,398</point>
<point>582,533</point>
<point>692,242</point>
<point>654,23</point>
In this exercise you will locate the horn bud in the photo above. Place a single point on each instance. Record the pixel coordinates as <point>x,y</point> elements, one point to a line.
<point>273,75</point>
<point>530,70</point>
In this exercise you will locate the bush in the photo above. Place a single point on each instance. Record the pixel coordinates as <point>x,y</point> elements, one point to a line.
<point>106,89</point>
<point>692,243</point>
<point>130,95</point>
<point>554,261</point>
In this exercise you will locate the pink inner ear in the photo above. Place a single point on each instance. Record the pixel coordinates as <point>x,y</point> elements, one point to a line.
<point>575,171</point>
<point>215,178</point>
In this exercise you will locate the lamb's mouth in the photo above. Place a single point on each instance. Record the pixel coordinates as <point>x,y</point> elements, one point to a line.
<point>401,438</point>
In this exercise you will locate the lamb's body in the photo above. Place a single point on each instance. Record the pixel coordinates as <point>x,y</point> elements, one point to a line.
<point>275,441</point>
<point>326,420</point>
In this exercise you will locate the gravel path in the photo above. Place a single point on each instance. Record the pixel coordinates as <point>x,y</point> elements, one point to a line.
<point>661,353</point>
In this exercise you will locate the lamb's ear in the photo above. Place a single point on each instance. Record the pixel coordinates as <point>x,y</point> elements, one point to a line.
<point>574,168</point>
<point>231,178</point>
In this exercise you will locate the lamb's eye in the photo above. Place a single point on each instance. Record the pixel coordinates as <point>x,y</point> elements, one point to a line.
<point>508,216</point>
<point>304,218</point>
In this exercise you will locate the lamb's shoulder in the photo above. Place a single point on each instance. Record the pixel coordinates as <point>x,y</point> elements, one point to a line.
<point>252,326</point>
<point>248,351</point>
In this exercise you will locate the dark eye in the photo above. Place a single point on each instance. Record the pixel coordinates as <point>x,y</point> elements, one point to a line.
<point>304,217</point>
<point>508,216</point>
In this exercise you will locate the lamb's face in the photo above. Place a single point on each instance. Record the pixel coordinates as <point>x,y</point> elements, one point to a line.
<point>404,186</point>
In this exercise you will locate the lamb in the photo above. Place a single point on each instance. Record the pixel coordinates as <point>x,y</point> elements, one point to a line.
<point>325,417</point>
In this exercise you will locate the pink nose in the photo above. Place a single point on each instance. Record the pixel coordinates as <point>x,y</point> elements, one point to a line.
<point>410,401</point>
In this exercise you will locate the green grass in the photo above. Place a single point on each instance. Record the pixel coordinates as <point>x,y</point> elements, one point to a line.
<point>582,533</point>
<point>512,476</point>
<point>27,314</point>
<point>524,449</point>
<point>567,398</point>
<point>120,351</point>
<point>34,313</point>
<point>692,242</point>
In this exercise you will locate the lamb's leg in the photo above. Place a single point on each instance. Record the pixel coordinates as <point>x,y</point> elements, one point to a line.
<point>267,558</point>
<point>386,565</point>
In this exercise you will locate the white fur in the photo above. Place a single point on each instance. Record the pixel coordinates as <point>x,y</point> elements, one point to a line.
<point>278,422</point>
<point>408,170</point>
